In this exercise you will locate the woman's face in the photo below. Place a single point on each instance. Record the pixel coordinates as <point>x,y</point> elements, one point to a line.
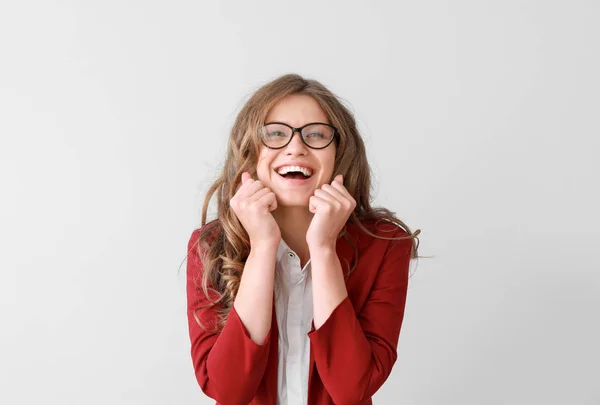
<point>296,110</point>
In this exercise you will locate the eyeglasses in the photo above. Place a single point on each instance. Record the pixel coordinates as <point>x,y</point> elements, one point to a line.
<point>315,135</point>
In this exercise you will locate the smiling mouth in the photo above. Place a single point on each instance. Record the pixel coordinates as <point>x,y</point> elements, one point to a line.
<point>294,176</point>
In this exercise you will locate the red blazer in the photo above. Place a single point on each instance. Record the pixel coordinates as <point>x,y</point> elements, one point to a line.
<point>351,354</point>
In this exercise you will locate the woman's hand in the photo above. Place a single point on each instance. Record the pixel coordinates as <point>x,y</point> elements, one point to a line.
<point>332,206</point>
<point>252,204</point>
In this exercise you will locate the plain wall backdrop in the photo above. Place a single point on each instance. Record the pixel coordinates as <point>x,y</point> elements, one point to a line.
<point>481,121</point>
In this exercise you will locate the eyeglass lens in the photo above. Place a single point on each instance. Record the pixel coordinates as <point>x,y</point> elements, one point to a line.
<point>315,135</point>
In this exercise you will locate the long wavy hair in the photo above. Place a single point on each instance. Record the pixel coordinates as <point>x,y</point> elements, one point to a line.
<point>224,245</point>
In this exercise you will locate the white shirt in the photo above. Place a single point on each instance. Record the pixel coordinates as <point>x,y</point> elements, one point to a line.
<point>294,310</point>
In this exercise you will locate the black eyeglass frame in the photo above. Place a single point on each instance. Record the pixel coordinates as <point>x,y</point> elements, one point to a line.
<point>299,130</point>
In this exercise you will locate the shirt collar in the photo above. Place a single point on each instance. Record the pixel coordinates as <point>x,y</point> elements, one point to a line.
<point>281,249</point>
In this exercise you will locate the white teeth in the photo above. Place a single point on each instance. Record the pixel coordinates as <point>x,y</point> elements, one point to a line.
<point>286,169</point>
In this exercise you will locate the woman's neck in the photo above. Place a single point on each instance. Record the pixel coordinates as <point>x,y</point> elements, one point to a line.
<point>293,223</point>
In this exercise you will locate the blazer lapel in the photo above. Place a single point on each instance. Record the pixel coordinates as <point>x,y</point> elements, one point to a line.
<point>273,361</point>
<point>344,252</point>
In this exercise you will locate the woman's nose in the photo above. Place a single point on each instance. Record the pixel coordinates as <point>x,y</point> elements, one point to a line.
<point>296,144</point>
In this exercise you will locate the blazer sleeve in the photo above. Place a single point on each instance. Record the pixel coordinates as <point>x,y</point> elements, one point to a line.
<point>354,353</point>
<point>229,365</point>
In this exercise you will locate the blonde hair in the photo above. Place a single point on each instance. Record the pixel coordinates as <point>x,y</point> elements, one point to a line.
<point>224,245</point>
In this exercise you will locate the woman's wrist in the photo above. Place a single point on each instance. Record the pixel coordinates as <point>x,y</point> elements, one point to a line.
<point>322,249</point>
<point>264,246</point>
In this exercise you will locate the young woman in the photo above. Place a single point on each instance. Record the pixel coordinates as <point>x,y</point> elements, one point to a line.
<point>296,292</point>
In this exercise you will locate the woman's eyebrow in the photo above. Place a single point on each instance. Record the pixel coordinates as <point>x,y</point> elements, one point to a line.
<point>299,126</point>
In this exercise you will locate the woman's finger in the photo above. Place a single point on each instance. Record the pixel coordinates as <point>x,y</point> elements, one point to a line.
<point>324,195</point>
<point>249,188</point>
<point>340,187</point>
<point>334,191</point>
<point>245,176</point>
<point>259,194</point>
<point>315,202</point>
<point>270,200</point>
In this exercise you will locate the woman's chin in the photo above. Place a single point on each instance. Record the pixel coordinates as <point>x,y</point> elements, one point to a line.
<point>292,202</point>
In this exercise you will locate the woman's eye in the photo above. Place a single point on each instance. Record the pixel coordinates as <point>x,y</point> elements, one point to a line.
<point>315,135</point>
<point>274,134</point>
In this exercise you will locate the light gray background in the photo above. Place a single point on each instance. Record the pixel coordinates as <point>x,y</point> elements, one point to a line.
<point>482,126</point>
